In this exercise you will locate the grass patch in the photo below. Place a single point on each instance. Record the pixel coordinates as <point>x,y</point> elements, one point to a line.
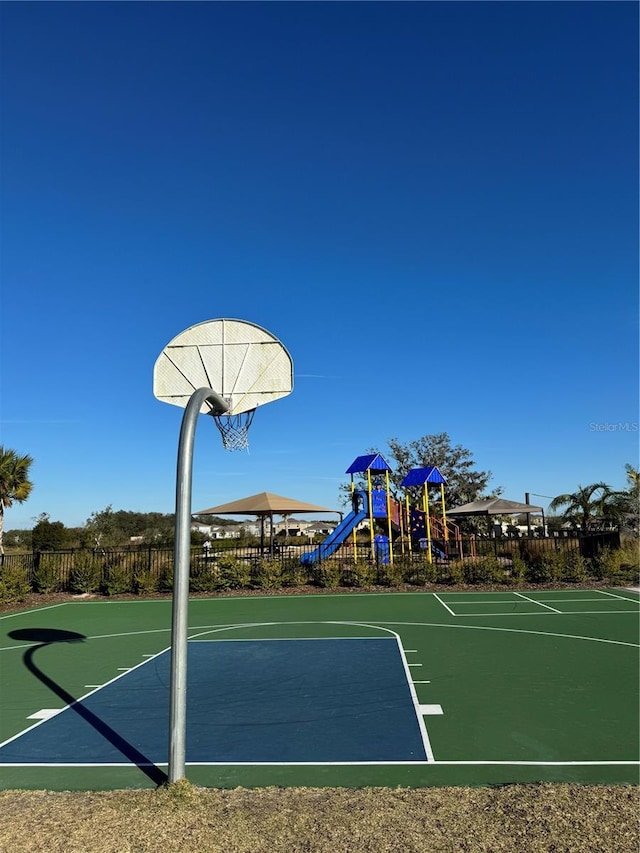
<point>533,818</point>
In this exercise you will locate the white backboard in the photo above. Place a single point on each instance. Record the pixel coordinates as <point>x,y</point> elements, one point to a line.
<point>243,363</point>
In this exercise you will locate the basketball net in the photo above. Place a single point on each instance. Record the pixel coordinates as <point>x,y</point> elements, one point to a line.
<point>234,429</point>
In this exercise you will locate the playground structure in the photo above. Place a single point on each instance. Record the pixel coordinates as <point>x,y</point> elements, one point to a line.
<point>410,524</point>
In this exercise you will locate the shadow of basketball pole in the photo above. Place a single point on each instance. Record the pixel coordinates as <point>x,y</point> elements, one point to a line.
<point>47,637</point>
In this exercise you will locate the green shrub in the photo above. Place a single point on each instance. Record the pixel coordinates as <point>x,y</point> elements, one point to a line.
<point>85,574</point>
<point>360,574</point>
<point>481,570</point>
<point>404,566</point>
<point>145,577</point>
<point>117,578</point>
<point>574,567</point>
<point>164,570</point>
<point>390,574</point>
<point>518,571</point>
<point>620,565</point>
<point>421,572</point>
<point>202,575</point>
<point>327,574</point>
<point>267,574</point>
<point>145,581</point>
<point>454,572</point>
<point>229,573</point>
<point>294,573</point>
<point>559,567</point>
<point>14,585</point>
<point>48,574</point>
<point>547,567</point>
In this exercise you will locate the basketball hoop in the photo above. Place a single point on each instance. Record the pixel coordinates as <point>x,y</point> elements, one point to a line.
<point>234,429</point>
<point>224,364</point>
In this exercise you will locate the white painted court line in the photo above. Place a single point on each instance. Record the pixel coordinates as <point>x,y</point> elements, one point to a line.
<point>381,626</point>
<point>194,638</point>
<point>576,600</point>
<point>422,682</point>
<point>416,704</point>
<point>460,627</point>
<point>482,597</point>
<point>521,615</point>
<point>431,710</point>
<point>613,595</point>
<point>394,635</point>
<point>37,610</point>
<point>500,603</point>
<point>45,714</point>
<point>437,597</point>
<point>548,763</point>
<point>539,603</point>
<point>75,702</point>
<point>425,764</point>
<point>414,664</point>
<point>92,637</point>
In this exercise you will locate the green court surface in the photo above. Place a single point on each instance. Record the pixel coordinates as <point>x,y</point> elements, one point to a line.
<point>508,687</point>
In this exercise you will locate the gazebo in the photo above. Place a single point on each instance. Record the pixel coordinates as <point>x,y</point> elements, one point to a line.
<point>496,506</point>
<point>265,505</point>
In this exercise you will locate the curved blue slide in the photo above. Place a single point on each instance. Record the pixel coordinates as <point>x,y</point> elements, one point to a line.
<point>337,536</point>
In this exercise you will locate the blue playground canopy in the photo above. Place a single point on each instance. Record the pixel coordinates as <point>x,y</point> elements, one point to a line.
<point>370,462</point>
<point>420,476</point>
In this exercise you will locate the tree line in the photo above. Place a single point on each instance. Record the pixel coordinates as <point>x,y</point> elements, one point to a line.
<point>591,507</point>
<point>107,528</point>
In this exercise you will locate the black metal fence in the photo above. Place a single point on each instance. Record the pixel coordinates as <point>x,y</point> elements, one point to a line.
<point>151,569</point>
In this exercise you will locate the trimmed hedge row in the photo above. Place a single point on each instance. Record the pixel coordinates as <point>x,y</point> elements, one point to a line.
<point>111,575</point>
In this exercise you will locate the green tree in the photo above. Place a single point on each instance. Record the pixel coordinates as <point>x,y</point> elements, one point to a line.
<point>111,529</point>
<point>102,528</point>
<point>455,463</point>
<point>49,535</point>
<point>18,539</point>
<point>624,506</point>
<point>587,507</point>
<point>15,485</point>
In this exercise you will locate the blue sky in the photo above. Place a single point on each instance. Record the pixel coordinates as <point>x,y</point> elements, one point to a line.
<point>434,206</point>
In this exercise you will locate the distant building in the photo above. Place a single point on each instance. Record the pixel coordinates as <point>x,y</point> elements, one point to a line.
<point>292,527</point>
<point>218,531</point>
<point>296,527</point>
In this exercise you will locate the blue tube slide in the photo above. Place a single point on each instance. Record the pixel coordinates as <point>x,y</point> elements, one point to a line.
<point>337,536</point>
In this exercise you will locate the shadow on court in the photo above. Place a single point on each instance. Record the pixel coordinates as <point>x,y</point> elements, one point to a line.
<point>48,636</point>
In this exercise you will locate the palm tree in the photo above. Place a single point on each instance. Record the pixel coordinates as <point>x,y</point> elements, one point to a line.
<point>625,504</point>
<point>584,506</point>
<point>15,486</point>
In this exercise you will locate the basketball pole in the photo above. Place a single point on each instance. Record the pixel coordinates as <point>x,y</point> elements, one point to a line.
<point>181,563</point>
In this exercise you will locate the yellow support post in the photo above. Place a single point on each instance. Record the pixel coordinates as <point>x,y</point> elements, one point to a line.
<point>369,492</point>
<point>386,475</point>
<point>444,514</point>
<point>406,502</point>
<point>353,532</point>
<point>427,522</point>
